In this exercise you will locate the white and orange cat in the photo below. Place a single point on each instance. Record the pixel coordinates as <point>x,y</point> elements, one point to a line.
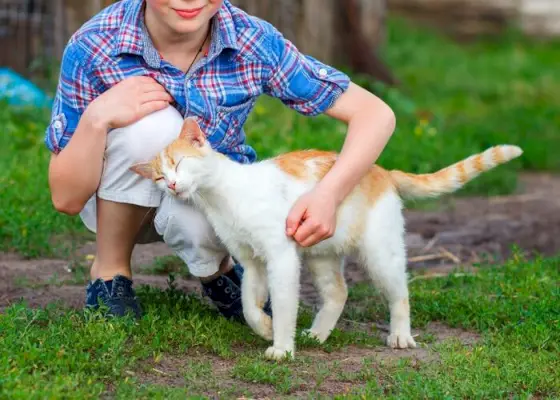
<point>247,205</point>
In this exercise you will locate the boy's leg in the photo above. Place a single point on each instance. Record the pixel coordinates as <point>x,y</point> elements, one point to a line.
<point>122,207</point>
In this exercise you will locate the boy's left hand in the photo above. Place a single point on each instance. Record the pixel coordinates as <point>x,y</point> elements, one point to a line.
<point>312,218</point>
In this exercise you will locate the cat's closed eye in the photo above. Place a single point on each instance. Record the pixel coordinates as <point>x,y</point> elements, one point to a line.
<point>177,165</point>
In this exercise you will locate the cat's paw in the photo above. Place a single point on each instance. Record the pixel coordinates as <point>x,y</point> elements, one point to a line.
<point>401,341</point>
<point>319,336</point>
<point>273,353</point>
<point>265,327</point>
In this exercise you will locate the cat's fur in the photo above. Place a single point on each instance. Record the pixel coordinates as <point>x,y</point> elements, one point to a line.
<point>247,205</point>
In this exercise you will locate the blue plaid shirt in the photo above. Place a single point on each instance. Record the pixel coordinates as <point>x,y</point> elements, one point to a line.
<point>247,57</point>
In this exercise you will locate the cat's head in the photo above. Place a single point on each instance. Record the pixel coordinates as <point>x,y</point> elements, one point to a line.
<point>180,167</point>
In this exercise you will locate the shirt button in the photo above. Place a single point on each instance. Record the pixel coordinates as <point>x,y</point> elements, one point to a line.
<point>58,125</point>
<point>189,84</point>
<point>323,72</point>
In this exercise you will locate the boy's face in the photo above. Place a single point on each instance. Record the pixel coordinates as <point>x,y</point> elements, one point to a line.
<point>184,16</point>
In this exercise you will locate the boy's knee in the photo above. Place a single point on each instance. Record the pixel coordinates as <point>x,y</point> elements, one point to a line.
<point>143,139</point>
<point>188,233</point>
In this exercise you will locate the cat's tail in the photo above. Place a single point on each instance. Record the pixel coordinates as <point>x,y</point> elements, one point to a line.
<point>455,176</point>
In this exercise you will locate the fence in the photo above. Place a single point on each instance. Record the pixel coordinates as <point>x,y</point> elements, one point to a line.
<point>33,32</point>
<point>25,32</point>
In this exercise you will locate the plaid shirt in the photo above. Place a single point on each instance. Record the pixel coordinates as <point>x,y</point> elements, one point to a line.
<point>247,57</point>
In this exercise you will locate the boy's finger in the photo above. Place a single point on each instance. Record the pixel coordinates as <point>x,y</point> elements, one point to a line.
<point>152,106</point>
<point>306,230</point>
<point>311,240</point>
<point>294,218</point>
<point>155,96</point>
<point>153,86</point>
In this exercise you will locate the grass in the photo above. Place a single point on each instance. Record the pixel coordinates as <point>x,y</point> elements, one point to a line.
<point>180,348</point>
<point>454,100</point>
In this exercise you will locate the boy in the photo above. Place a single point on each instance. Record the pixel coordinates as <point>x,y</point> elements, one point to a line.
<point>128,78</point>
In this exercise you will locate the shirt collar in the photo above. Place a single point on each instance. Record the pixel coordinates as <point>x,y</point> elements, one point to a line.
<point>133,37</point>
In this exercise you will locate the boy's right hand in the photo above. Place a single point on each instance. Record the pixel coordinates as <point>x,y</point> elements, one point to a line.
<point>127,102</point>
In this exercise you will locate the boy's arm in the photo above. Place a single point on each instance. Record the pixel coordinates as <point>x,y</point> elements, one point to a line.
<point>81,120</point>
<point>312,88</point>
<point>370,125</point>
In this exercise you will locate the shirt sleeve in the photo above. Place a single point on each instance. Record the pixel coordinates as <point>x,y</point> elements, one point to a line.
<point>300,81</point>
<point>74,92</point>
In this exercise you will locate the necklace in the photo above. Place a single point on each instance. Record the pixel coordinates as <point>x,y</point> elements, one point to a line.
<point>199,50</point>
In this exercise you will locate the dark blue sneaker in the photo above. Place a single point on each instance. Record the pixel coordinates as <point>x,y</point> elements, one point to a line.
<point>239,273</point>
<point>117,294</point>
<point>225,293</point>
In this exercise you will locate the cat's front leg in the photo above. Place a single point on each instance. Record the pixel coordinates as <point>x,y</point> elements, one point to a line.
<point>254,293</point>
<point>283,281</point>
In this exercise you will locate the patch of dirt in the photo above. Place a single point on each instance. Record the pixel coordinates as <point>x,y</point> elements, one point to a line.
<point>313,372</point>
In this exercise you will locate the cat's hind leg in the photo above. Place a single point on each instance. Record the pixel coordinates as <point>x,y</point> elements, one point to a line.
<point>383,253</point>
<point>283,281</point>
<point>328,275</point>
<point>254,292</point>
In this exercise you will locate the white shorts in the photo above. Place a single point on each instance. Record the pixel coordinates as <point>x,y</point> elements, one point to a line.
<point>181,226</point>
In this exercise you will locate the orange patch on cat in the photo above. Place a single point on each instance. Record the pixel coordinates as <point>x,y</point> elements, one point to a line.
<point>296,164</point>
<point>462,173</point>
<point>182,147</point>
<point>479,163</point>
<point>376,182</point>
<point>497,155</point>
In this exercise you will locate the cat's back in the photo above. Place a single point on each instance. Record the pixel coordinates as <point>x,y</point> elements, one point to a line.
<point>305,165</point>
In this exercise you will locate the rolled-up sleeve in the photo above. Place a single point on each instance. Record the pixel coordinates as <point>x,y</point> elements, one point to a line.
<point>300,81</point>
<point>74,93</point>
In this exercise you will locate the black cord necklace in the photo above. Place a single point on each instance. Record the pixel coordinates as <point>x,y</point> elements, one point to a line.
<point>199,50</point>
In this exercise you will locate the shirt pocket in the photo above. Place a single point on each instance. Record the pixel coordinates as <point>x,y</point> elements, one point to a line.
<point>228,124</point>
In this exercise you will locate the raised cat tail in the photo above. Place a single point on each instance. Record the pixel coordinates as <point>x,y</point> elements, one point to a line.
<point>455,176</point>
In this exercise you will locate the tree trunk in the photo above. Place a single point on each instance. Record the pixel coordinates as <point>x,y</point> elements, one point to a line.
<point>337,32</point>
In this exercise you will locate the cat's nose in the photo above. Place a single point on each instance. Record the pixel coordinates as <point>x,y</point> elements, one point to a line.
<point>171,185</point>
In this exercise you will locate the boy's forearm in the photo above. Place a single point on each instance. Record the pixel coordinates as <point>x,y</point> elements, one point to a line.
<point>368,133</point>
<point>74,173</point>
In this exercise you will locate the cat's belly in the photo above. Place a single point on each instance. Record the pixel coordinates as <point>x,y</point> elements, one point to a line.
<point>240,239</point>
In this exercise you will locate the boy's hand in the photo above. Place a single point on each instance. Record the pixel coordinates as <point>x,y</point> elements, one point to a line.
<point>128,101</point>
<point>312,218</point>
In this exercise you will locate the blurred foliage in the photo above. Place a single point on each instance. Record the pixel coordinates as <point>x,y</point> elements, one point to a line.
<point>454,100</point>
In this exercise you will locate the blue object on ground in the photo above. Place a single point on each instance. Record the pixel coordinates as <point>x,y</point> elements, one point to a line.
<point>18,91</point>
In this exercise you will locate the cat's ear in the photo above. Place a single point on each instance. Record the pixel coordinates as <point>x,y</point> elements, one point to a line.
<point>143,169</point>
<point>192,133</point>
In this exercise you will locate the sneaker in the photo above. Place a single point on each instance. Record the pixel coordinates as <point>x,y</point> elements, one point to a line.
<point>226,296</point>
<point>117,294</point>
<point>225,293</point>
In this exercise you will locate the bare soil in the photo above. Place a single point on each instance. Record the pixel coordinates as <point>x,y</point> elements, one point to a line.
<point>316,372</point>
<point>459,231</point>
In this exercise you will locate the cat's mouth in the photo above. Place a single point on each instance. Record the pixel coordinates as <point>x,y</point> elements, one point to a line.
<point>181,193</point>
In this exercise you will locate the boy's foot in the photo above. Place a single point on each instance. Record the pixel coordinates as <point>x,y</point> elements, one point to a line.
<point>239,273</point>
<point>117,294</point>
<point>225,293</point>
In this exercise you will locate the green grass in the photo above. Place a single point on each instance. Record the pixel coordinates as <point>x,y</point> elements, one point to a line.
<point>54,353</point>
<point>454,100</point>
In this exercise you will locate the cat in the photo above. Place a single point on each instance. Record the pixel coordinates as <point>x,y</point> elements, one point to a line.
<point>248,204</point>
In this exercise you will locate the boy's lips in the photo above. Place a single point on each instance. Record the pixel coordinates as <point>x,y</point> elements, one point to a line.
<point>189,13</point>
